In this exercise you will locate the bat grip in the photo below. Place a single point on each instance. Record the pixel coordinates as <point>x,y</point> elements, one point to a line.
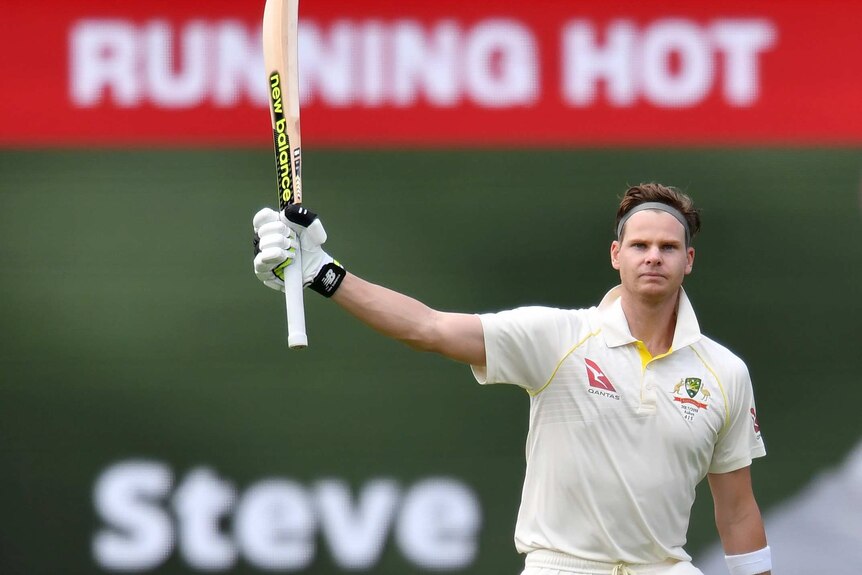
<point>296,337</point>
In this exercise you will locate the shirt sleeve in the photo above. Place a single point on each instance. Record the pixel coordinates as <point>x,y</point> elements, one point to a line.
<point>523,346</point>
<point>740,441</point>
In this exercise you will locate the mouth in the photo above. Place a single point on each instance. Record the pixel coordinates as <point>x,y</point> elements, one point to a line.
<point>652,275</point>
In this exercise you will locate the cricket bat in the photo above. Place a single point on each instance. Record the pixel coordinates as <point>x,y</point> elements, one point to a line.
<point>280,56</point>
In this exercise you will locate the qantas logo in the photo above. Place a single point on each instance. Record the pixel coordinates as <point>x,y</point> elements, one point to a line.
<point>596,377</point>
<point>599,383</point>
<point>755,422</point>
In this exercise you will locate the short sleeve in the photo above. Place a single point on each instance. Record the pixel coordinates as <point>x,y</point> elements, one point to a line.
<point>524,345</point>
<point>740,440</point>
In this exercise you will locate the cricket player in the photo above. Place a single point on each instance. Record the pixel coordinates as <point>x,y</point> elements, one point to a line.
<point>631,405</point>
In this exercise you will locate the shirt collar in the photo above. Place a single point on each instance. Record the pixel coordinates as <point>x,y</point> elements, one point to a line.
<point>615,327</point>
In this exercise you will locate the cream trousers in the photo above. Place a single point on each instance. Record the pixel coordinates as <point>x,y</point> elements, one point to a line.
<point>544,562</point>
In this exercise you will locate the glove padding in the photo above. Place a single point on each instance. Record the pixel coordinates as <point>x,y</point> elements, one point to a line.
<point>276,241</point>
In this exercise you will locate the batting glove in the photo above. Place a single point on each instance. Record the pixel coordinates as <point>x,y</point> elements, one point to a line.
<point>275,243</point>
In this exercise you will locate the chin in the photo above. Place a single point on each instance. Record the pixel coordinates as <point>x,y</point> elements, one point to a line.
<point>656,289</point>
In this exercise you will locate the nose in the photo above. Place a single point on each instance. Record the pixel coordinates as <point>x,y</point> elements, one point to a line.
<point>653,256</point>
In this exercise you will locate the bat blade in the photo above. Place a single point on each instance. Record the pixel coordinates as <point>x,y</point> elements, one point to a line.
<point>281,60</point>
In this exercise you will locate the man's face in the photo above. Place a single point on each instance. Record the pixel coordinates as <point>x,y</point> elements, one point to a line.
<point>652,257</point>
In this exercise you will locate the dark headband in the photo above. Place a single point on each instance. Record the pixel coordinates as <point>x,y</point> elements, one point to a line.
<point>660,207</point>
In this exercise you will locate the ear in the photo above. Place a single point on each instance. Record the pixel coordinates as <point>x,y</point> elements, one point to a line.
<point>690,260</point>
<point>615,255</point>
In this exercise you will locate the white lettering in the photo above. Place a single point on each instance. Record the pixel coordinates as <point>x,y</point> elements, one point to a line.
<point>372,82</point>
<point>127,65</point>
<point>501,64</point>
<point>679,86</point>
<point>200,502</point>
<point>586,63</point>
<point>438,525</point>
<point>425,65</point>
<point>238,59</point>
<point>175,77</point>
<point>494,63</point>
<point>139,534</point>
<point>741,42</point>
<point>356,536</point>
<point>103,58</point>
<point>275,526</point>
<point>326,66</point>
<point>670,63</point>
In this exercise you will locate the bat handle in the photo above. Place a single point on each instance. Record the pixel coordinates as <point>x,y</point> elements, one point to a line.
<point>296,337</point>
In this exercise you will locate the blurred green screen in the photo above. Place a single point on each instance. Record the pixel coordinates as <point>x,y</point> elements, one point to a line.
<point>134,331</point>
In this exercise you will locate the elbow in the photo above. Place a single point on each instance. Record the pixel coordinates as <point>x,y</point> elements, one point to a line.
<point>419,345</point>
<point>424,336</point>
<point>458,337</point>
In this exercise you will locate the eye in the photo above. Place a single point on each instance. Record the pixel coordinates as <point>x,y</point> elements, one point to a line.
<point>668,247</point>
<point>638,245</point>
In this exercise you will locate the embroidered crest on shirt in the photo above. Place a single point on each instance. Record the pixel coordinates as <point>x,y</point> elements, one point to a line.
<point>599,382</point>
<point>692,395</point>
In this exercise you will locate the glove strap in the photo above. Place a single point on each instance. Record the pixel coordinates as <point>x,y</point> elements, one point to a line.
<point>328,279</point>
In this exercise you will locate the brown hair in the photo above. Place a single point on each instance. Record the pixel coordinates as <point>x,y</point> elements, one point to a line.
<point>653,192</point>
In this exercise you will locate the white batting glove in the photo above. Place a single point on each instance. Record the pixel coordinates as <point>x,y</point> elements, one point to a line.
<point>275,244</point>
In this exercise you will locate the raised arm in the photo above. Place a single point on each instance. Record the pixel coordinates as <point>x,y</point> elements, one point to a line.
<point>457,336</point>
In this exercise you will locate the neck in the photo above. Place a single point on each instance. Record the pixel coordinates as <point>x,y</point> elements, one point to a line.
<point>652,322</point>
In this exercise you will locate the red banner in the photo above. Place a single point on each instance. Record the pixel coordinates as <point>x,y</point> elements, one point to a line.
<point>592,73</point>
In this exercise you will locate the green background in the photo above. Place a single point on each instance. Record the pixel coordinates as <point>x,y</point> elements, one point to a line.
<point>132,326</point>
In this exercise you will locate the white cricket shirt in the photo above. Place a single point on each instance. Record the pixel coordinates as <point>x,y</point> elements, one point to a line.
<point>618,439</point>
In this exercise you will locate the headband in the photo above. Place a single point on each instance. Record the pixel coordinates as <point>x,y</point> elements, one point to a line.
<point>660,207</point>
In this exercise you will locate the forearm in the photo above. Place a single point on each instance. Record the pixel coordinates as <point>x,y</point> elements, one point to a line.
<point>455,335</point>
<point>739,524</point>
<point>393,314</point>
<point>741,531</point>
<point>742,534</point>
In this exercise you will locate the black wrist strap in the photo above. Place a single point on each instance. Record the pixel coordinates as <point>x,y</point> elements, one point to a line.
<point>328,279</point>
